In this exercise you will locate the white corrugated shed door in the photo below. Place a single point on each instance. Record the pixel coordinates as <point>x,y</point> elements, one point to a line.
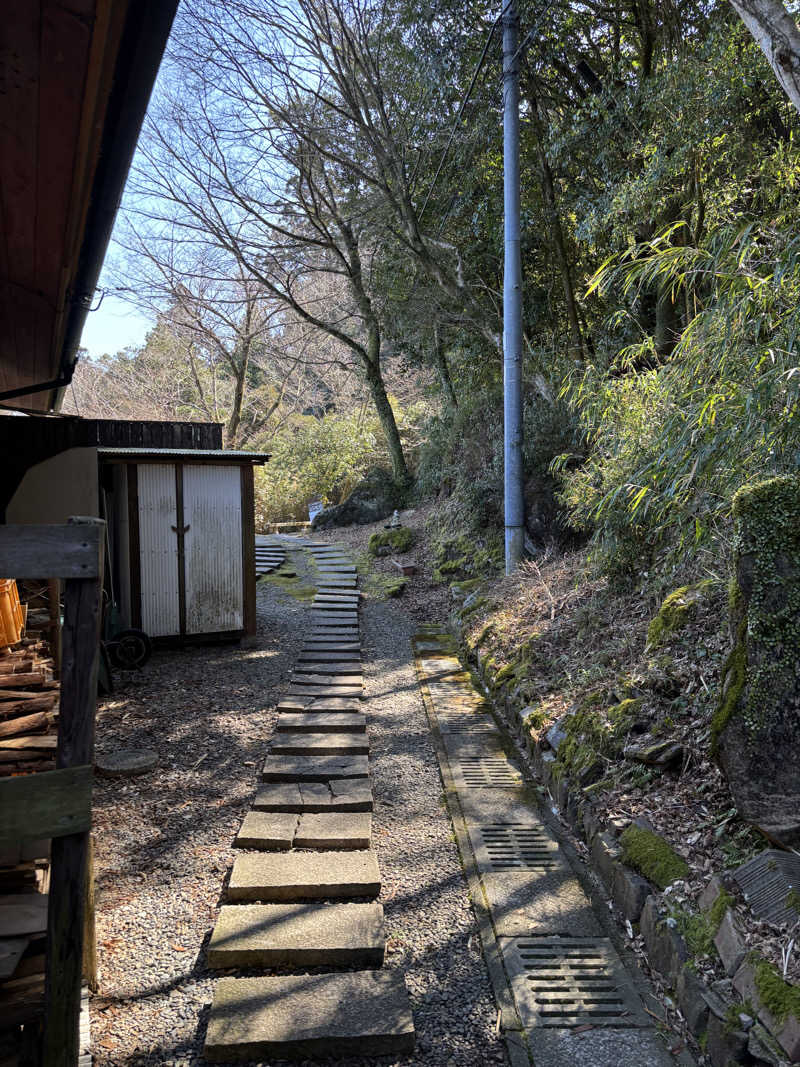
<point>158,549</point>
<point>212,515</point>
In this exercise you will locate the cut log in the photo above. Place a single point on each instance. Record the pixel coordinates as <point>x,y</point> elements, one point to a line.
<point>26,724</point>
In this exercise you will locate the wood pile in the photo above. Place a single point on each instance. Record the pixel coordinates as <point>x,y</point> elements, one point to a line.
<point>28,740</point>
<point>28,709</point>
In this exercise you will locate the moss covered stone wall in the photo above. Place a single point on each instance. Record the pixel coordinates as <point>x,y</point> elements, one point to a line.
<point>756,730</point>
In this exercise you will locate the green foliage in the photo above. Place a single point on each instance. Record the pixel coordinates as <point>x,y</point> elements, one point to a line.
<point>399,539</point>
<point>652,856</point>
<point>671,445</point>
<point>312,459</point>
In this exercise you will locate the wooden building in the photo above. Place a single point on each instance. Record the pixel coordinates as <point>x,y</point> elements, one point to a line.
<point>77,77</point>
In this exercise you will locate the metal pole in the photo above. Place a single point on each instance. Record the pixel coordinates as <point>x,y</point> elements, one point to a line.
<point>512,297</point>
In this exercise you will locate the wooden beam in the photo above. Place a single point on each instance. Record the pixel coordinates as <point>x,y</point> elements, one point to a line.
<point>69,854</point>
<point>53,551</point>
<point>51,804</point>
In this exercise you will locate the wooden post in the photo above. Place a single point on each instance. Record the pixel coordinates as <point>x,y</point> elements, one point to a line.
<point>89,925</point>
<point>68,861</point>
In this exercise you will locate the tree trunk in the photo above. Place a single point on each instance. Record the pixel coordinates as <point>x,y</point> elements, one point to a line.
<point>235,420</point>
<point>443,367</point>
<point>377,390</point>
<point>777,35</point>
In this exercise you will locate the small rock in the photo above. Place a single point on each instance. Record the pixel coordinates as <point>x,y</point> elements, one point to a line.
<point>126,762</point>
<point>660,754</point>
<point>556,735</point>
<point>730,943</point>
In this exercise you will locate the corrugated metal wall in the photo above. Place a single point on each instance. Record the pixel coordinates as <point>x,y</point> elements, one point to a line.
<point>158,549</point>
<point>212,509</point>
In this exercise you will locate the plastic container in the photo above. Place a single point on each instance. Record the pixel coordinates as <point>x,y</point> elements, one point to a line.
<point>11,614</point>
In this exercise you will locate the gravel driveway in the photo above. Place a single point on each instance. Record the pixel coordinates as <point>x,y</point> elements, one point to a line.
<point>163,842</point>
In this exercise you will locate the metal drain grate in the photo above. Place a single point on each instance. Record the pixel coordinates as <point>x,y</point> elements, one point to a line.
<point>516,846</point>
<point>571,982</point>
<point>770,883</point>
<point>482,771</point>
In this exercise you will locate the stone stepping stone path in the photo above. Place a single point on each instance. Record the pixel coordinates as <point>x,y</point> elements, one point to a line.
<point>576,1001</point>
<point>301,894</point>
<point>270,554</point>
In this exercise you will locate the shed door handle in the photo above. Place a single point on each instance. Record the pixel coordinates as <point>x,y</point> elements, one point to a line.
<point>184,530</point>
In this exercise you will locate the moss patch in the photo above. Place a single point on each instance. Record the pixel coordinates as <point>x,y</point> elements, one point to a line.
<point>594,734</point>
<point>734,676</point>
<point>781,999</point>
<point>400,539</point>
<point>761,676</point>
<point>717,910</point>
<point>284,578</point>
<point>652,856</point>
<point>675,611</point>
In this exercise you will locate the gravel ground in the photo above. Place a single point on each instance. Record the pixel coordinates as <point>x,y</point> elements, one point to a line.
<point>163,840</point>
<point>431,931</point>
<point>163,843</point>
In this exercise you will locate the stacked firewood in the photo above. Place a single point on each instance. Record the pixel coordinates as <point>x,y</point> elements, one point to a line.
<point>28,708</point>
<point>28,740</point>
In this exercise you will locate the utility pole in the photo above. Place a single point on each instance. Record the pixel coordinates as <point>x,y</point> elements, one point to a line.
<point>512,297</point>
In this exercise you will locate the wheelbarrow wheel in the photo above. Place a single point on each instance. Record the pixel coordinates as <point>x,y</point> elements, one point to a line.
<point>130,649</point>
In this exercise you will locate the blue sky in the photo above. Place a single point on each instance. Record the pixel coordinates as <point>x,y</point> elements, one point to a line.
<point>114,325</point>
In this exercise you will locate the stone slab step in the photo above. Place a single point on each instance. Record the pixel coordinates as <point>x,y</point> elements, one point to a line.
<point>332,643</point>
<point>303,876</point>
<point>360,1013</point>
<point>268,830</point>
<point>343,607</point>
<point>334,601</point>
<point>322,721</point>
<point>298,935</point>
<point>339,830</point>
<point>341,691</point>
<point>314,768</point>
<point>338,794</point>
<point>317,703</point>
<point>280,831</point>
<point>327,679</point>
<point>320,744</point>
<point>334,618</point>
<point>324,636</point>
<point>333,652</point>
<point>309,665</point>
<point>321,631</point>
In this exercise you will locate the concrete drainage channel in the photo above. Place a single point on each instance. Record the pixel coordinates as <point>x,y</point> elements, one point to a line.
<point>569,994</point>
<point>303,895</point>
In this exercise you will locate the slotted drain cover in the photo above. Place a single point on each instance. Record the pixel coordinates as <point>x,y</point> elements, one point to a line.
<point>470,721</point>
<point>482,771</point>
<point>570,981</point>
<point>516,846</point>
<point>767,883</point>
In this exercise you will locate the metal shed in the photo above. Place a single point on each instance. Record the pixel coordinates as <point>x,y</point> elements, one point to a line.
<point>181,540</point>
